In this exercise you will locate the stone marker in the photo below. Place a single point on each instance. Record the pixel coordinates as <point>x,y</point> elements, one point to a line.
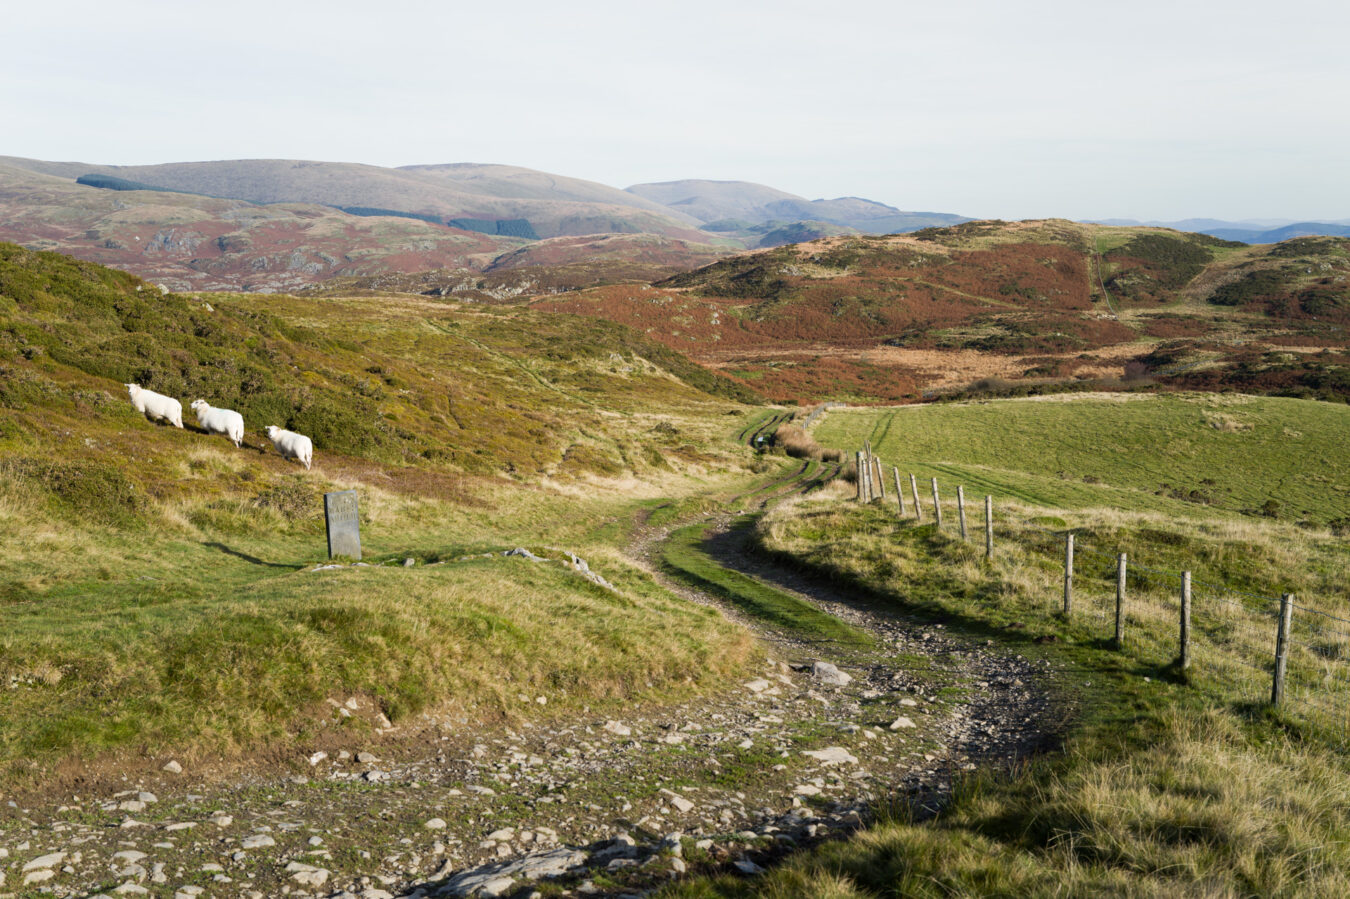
<point>344,524</point>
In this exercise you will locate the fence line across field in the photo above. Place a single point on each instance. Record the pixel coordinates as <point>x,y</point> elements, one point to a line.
<point>1301,652</point>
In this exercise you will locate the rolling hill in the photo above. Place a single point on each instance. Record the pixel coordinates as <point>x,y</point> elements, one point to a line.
<point>732,206</point>
<point>272,225</point>
<point>1249,232</point>
<point>553,206</point>
<point>1030,305</point>
<point>192,242</point>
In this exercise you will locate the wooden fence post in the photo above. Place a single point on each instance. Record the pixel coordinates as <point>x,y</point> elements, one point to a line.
<point>989,527</point>
<point>961,508</point>
<point>899,494</point>
<point>914,489</point>
<point>1185,659</point>
<point>1282,648</point>
<point>937,506</point>
<point>1121,563</point>
<point>881,481</point>
<point>870,493</point>
<point>858,461</point>
<point>1068,574</point>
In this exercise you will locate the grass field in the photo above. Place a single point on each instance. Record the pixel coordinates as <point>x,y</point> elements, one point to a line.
<point>1170,782</point>
<point>1189,455</point>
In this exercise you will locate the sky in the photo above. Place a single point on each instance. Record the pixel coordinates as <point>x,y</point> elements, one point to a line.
<point>987,108</point>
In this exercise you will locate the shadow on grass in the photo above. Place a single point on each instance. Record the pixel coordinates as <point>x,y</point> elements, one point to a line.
<point>254,560</point>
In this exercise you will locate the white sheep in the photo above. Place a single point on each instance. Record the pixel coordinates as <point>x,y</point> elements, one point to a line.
<point>220,421</point>
<point>291,445</point>
<point>156,405</point>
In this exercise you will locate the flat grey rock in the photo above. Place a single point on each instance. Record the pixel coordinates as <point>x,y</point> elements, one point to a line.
<point>498,879</point>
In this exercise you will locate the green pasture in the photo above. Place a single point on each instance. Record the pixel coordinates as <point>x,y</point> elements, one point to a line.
<point>1191,455</point>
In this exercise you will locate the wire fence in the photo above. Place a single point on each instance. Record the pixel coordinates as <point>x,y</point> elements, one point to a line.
<point>1224,639</point>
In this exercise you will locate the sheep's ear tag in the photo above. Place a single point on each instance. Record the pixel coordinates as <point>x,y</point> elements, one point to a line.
<point>344,524</point>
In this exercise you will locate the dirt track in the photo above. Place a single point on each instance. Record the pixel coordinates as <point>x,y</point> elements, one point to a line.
<point>724,780</point>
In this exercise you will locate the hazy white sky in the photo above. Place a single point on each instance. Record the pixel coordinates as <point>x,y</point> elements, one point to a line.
<point>1156,109</point>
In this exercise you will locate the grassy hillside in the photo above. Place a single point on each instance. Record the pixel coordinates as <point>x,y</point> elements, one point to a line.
<point>1170,781</point>
<point>382,380</point>
<point>155,591</point>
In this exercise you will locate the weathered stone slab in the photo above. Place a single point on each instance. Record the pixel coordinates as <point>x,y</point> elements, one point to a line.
<point>344,524</point>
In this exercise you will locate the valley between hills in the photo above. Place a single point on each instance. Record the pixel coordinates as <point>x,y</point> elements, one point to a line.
<point>622,624</point>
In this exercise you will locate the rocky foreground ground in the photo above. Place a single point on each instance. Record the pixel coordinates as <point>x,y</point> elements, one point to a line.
<point>601,805</point>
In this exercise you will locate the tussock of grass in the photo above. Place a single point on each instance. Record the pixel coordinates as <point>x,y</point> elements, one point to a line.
<point>795,441</point>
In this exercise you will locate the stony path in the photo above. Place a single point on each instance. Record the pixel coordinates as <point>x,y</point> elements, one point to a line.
<point>609,807</point>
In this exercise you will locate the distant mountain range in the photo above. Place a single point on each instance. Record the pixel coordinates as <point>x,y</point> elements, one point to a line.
<point>740,206</point>
<point>278,224</point>
<point>1252,231</point>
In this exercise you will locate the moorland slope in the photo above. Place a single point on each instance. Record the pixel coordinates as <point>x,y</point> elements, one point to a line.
<point>1033,304</point>
<point>159,566</point>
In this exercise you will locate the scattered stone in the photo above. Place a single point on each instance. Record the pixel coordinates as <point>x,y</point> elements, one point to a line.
<point>747,867</point>
<point>50,860</point>
<point>499,879</point>
<point>317,757</point>
<point>434,824</point>
<point>618,729</point>
<point>759,685</point>
<point>902,722</point>
<point>830,674</point>
<point>675,799</point>
<point>832,755</point>
<point>173,767</point>
<point>622,846</point>
<point>498,836</point>
<point>257,841</point>
<point>307,875</point>
<point>366,758</point>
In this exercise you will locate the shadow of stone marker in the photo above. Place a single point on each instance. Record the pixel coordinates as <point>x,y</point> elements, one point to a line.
<point>344,524</point>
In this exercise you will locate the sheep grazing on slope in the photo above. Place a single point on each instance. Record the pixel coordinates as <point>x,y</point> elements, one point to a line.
<point>291,445</point>
<point>220,421</point>
<point>156,405</point>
